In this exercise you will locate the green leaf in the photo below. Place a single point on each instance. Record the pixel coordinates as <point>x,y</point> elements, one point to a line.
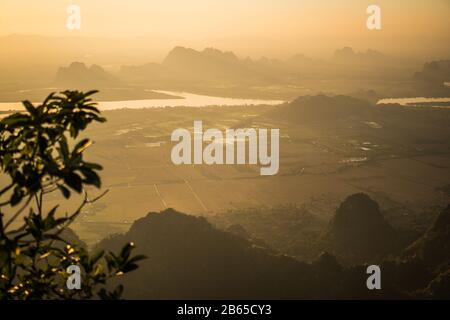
<point>64,148</point>
<point>126,250</point>
<point>118,291</point>
<point>64,191</point>
<point>81,146</point>
<point>129,267</point>
<point>16,119</point>
<point>90,93</point>
<point>30,108</point>
<point>96,256</point>
<point>74,181</point>
<point>137,258</point>
<point>91,177</point>
<point>49,97</point>
<point>17,196</point>
<point>50,222</point>
<point>93,166</point>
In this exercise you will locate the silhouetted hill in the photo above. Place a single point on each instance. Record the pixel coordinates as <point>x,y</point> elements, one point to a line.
<point>238,230</point>
<point>324,108</point>
<point>367,95</point>
<point>434,71</point>
<point>211,64</point>
<point>430,81</point>
<point>215,72</point>
<point>347,55</point>
<point>184,66</point>
<point>427,260</point>
<point>358,232</point>
<point>289,229</point>
<point>78,75</point>
<point>189,259</point>
<point>439,287</point>
<point>434,246</point>
<point>180,56</point>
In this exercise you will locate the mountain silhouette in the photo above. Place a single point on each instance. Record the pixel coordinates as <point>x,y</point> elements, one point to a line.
<point>434,71</point>
<point>433,79</point>
<point>434,246</point>
<point>183,66</point>
<point>358,232</point>
<point>78,75</point>
<point>180,56</point>
<point>367,95</point>
<point>211,64</point>
<point>324,108</point>
<point>188,258</point>
<point>347,55</point>
<point>216,72</point>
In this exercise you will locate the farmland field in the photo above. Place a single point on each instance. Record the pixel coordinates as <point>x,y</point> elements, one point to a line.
<point>319,166</point>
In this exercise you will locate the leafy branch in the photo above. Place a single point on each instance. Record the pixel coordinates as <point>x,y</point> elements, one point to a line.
<point>36,155</point>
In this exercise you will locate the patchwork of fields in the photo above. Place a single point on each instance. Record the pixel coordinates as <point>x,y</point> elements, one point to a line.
<point>319,166</point>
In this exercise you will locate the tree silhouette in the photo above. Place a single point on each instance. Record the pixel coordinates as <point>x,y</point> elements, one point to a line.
<point>35,154</point>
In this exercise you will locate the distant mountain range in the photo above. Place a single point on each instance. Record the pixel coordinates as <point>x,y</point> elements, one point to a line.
<point>434,79</point>
<point>186,67</point>
<point>78,75</point>
<point>209,71</point>
<point>434,71</point>
<point>349,56</point>
<point>210,66</point>
<point>215,65</point>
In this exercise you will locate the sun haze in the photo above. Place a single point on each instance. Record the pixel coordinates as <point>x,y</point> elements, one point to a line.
<point>253,27</point>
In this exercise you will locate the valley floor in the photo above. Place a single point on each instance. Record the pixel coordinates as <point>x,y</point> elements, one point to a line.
<point>319,166</point>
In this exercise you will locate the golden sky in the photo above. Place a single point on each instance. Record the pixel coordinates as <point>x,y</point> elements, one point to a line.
<point>249,26</point>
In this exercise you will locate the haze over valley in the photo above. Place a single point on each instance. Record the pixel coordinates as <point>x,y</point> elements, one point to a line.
<point>364,141</point>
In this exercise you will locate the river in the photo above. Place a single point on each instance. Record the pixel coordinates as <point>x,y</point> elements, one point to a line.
<point>189,100</point>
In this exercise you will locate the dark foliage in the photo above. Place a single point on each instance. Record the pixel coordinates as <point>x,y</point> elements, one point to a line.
<point>36,156</point>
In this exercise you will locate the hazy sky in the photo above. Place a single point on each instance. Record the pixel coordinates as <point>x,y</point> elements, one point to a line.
<point>277,27</point>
